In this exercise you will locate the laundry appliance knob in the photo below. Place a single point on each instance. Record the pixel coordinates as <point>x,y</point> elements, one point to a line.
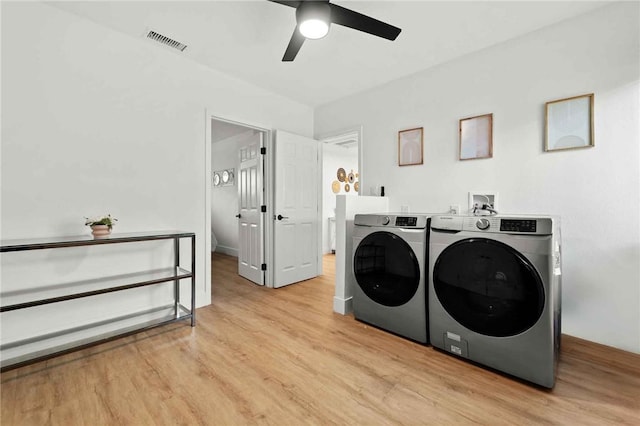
<point>483,224</point>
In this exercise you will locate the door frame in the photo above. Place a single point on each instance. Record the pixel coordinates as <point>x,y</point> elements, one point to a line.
<point>209,117</point>
<point>269,195</point>
<point>337,133</point>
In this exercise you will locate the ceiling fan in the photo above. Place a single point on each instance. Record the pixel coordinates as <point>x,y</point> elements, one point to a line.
<point>314,17</point>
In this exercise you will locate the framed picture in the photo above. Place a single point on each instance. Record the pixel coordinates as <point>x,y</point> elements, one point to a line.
<point>410,147</point>
<point>476,137</point>
<point>569,123</point>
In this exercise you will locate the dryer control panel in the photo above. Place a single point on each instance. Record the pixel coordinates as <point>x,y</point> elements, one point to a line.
<point>391,221</point>
<point>406,221</point>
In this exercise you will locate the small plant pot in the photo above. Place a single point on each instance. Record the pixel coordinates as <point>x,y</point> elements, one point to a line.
<point>100,231</point>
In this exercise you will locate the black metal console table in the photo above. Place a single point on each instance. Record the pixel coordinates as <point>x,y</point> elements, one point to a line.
<point>107,285</point>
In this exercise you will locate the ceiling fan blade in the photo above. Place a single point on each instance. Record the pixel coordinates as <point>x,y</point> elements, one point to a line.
<point>294,46</point>
<point>360,22</point>
<point>287,3</point>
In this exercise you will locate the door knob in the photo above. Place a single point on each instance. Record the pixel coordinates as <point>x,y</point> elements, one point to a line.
<point>280,217</point>
<point>238,215</point>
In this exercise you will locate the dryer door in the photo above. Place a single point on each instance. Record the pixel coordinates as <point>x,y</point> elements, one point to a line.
<point>488,287</point>
<point>386,269</point>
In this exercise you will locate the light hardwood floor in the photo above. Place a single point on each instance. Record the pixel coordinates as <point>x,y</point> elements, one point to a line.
<point>282,357</point>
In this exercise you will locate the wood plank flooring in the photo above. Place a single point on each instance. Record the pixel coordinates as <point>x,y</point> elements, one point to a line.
<point>282,357</point>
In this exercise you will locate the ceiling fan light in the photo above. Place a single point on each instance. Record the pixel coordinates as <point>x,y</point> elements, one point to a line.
<point>314,28</point>
<point>313,18</point>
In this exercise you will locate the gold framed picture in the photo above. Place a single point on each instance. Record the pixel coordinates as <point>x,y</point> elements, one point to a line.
<point>410,147</point>
<point>569,123</point>
<point>476,137</point>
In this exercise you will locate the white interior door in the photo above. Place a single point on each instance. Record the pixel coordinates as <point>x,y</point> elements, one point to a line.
<point>295,212</point>
<point>250,217</point>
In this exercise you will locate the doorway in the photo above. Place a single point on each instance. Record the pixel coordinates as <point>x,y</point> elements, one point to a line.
<point>286,203</point>
<point>340,175</point>
<point>237,194</point>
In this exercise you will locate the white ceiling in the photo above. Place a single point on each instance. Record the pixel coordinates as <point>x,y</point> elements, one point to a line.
<point>246,39</point>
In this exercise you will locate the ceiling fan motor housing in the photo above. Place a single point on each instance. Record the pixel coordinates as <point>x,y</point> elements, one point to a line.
<point>314,10</point>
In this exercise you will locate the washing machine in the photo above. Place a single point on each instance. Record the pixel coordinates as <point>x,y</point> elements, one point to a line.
<point>494,292</point>
<point>389,258</point>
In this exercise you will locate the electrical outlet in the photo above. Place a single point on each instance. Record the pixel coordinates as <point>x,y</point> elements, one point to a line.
<point>454,209</point>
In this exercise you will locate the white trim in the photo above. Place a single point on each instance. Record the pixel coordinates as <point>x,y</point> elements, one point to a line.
<point>343,306</point>
<point>208,186</point>
<point>229,251</point>
<point>319,162</point>
<point>269,174</point>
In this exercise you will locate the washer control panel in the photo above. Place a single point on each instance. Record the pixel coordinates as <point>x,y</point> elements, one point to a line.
<point>518,225</point>
<point>494,224</point>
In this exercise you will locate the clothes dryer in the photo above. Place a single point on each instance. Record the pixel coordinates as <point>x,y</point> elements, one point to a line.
<point>494,292</point>
<point>389,258</point>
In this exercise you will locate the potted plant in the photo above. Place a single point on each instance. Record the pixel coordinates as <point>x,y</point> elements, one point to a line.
<point>101,226</point>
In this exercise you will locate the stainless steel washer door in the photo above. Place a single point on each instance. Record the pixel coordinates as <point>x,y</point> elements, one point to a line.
<point>488,287</point>
<point>386,269</point>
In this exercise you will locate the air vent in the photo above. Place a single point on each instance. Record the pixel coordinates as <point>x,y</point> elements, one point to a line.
<point>349,140</point>
<point>166,41</point>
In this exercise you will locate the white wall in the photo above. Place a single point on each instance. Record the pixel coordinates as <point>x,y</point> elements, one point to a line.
<point>334,157</point>
<point>596,191</point>
<point>95,122</point>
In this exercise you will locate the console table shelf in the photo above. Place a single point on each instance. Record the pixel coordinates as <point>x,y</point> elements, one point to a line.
<point>94,287</point>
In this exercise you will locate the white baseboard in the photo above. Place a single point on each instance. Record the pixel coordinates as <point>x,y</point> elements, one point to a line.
<point>343,306</point>
<point>227,250</point>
